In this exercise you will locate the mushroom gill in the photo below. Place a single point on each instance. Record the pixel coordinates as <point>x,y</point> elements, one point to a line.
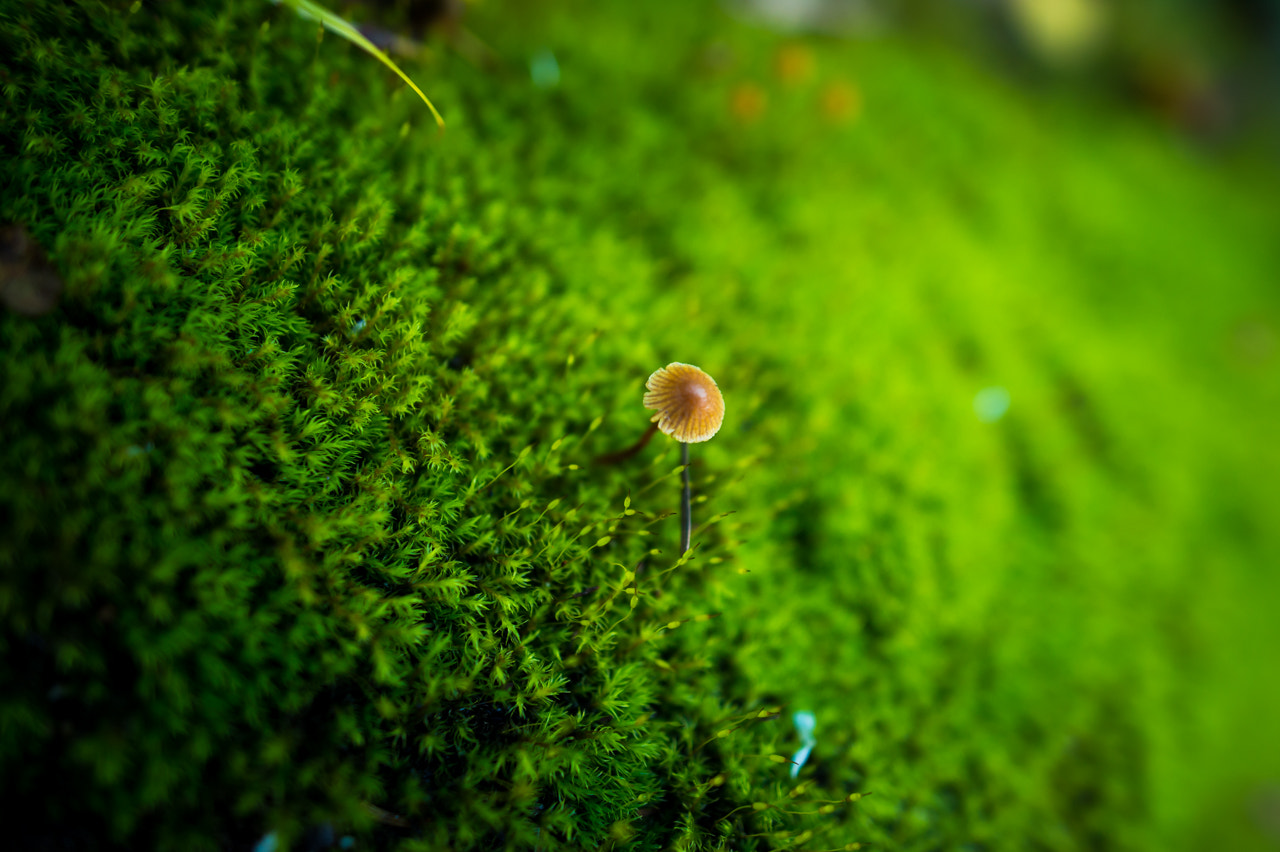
<point>688,403</point>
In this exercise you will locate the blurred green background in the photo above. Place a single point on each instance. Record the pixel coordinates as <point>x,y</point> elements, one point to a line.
<point>1010,310</point>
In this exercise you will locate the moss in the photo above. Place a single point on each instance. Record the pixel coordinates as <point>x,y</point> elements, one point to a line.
<point>301,524</point>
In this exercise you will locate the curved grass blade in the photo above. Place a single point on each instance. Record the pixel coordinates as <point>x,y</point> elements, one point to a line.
<point>332,22</point>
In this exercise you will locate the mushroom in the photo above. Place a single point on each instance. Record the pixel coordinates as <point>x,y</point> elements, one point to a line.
<point>688,403</point>
<point>690,408</point>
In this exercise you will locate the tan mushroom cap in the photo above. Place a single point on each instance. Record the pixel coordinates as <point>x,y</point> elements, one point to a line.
<point>689,404</point>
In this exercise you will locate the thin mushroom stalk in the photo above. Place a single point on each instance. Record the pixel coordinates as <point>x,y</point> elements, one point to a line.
<point>686,502</point>
<point>690,408</point>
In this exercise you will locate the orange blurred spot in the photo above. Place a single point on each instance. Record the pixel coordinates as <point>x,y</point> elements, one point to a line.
<point>747,102</point>
<point>794,64</point>
<point>841,101</point>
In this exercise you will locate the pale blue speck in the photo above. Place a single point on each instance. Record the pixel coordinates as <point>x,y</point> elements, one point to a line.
<point>544,70</point>
<point>990,404</point>
<point>805,722</point>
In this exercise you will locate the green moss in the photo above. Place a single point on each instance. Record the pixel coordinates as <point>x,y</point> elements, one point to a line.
<point>300,521</point>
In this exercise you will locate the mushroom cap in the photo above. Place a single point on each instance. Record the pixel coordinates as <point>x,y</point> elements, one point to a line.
<point>689,405</point>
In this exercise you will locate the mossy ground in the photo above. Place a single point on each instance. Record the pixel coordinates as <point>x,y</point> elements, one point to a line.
<point>298,504</point>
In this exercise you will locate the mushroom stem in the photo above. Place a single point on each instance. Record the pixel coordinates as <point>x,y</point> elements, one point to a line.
<point>686,502</point>
<point>623,455</point>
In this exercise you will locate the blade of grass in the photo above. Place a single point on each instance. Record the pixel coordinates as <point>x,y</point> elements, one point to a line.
<point>332,22</point>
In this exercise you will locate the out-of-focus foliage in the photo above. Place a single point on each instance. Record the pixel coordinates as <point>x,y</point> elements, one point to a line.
<point>301,532</point>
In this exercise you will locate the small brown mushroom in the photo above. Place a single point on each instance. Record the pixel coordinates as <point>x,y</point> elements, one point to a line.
<point>690,408</point>
<point>689,405</point>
